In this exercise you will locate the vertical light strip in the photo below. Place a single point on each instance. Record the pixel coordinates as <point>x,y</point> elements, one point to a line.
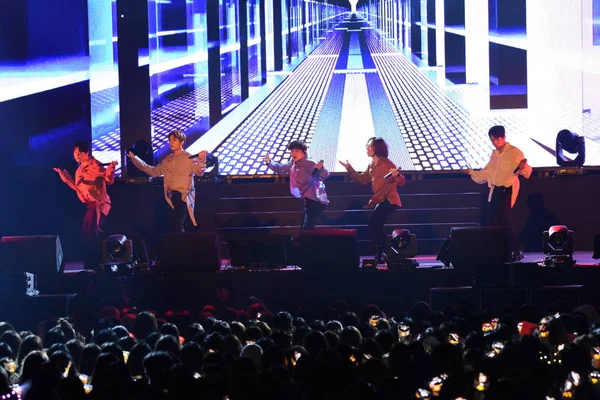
<point>440,37</point>
<point>554,88</point>
<point>356,126</point>
<point>477,55</point>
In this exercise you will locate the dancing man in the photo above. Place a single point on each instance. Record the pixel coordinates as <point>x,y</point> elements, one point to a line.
<point>306,181</point>
<point>502,176</point>
<point>90,182</point>
<point>178,169</point>
<point>384,178</point>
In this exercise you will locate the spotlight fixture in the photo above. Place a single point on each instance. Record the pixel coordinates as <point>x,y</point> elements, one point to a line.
<point>572,143</point>
<point>117,250</point>
<point>404,245</point>
<point>558,246</point>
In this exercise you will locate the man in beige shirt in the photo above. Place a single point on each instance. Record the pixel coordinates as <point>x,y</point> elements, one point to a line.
<point>90,182</point>
<point>178,170</point>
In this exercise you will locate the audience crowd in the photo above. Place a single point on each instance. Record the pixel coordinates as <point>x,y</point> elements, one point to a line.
<point>335,353</point>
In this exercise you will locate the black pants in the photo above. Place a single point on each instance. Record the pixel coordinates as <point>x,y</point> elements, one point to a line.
<point>93,244</point>
<point>500,213</point>
<point>312,210</point>
<point>376,223</point>
<point>178,213</point>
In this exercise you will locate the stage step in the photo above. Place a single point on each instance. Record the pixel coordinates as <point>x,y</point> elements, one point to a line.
<point>254,203</point>
<point>402,216</point>
<point>424,231</point>
<point>336,187</point>
<point>429,211</point>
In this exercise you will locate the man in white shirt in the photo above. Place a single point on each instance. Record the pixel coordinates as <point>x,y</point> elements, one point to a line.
<point>178,169</point>
<point>502,176</point>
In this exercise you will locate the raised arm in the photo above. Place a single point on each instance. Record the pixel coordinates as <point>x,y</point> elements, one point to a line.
<point>524,168</point>
<point>396,178</point>
<point>109,173</point>
<point>142,166</point>
<point>480,176</point>
<point>66,177</point>
<point>363,178</point>
<point>199,164</point>
<point>323,173</point>
<point>278,168</point>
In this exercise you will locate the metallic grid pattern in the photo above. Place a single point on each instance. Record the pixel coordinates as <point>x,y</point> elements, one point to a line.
<point>437,131</point>
<point>290,112</point>
<point>181,113</point>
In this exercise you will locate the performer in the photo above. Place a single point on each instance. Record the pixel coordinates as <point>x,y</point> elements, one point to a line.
<point>306,181</point>
<point>502,176</point>
<point>178,169</point>
<point>90,185</point>
<point>385,199</point>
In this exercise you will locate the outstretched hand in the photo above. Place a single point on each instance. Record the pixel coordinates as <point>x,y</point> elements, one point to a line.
<point>370,205</point>
<point>345,164</point>
<point>130,155</point>
<point>319,165</point>
<point>267,158</point>
<point>61,172</point>
<point>202,155</point>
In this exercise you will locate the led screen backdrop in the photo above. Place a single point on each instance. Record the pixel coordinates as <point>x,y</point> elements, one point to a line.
<point>432,77</point>
<point>58,78</point>
<point>429,75</point>
<point>596,22</point>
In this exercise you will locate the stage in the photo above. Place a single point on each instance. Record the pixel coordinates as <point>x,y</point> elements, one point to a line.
<point>494,286</point>
<point>581,258</point>
<point>262,208</point>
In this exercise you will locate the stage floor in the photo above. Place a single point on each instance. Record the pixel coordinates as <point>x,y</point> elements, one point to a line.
<point>582,259</point>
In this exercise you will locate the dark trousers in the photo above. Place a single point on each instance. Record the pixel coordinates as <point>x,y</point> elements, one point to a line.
<point>378,218</point>
<point>500,213</point>
<point>312,210</point>
<point>178,213</point>
<point>89,230</point>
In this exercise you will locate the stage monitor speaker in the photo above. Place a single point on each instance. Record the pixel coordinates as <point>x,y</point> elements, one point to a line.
<point>262,251</point>
<point>189,252</point>
<point>523,275</point>
<point>40,255</point>
<point>327,249</point>
<point>472,246</point>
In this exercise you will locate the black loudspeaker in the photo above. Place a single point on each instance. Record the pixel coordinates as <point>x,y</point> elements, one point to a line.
<point>525,275</point>
<point>570,294</point>
<point>189,252</point>
<point>327,249</point>
<point>40,255</point>
<point>259,251</point>
<point>479,246</point>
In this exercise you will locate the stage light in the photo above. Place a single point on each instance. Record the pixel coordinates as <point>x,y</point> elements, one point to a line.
<point>117,250</point>
<point>571,143</point>
<point>558,246</point>
<point>404,245</point>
